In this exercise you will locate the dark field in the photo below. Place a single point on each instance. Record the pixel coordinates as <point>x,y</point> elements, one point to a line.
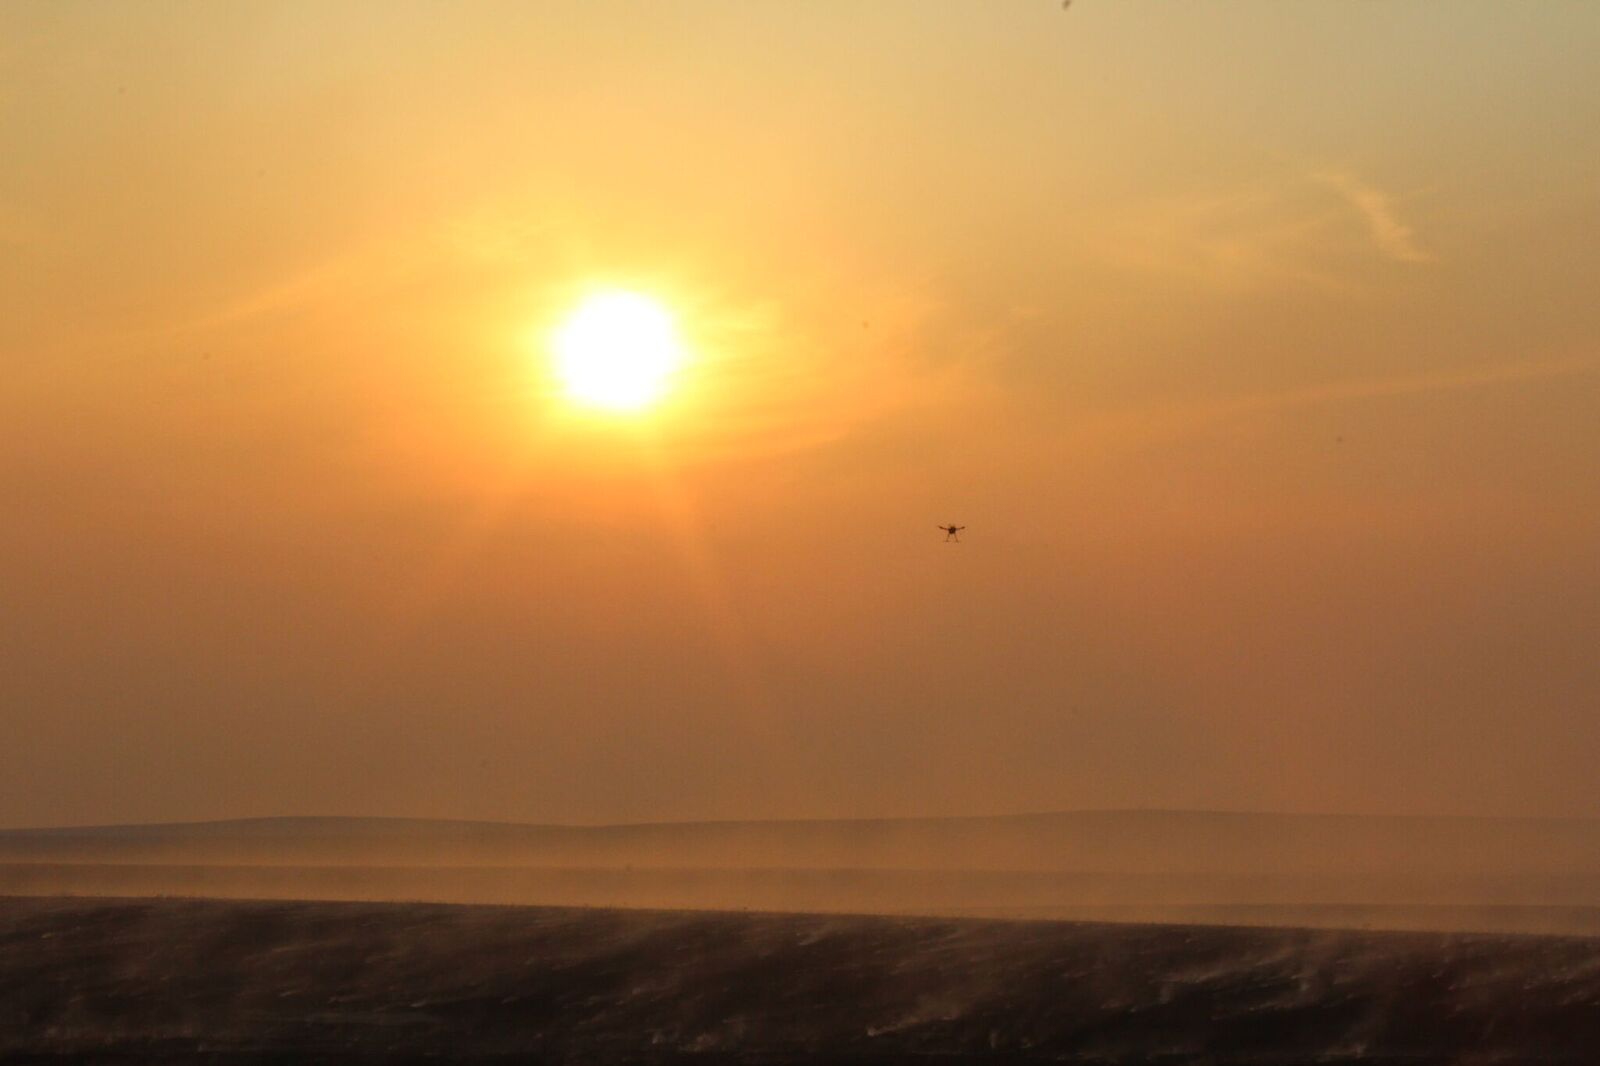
<point>214,981</point>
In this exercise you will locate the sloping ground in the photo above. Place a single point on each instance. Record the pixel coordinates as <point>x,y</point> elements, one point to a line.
<point>1121,842</point>
<point>188,980</point>
<point>1478,874</point>
<point>1531,905</point>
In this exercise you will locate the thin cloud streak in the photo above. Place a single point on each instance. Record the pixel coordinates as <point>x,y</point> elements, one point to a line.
<point>1178,419</point>
<point>1393,237</point>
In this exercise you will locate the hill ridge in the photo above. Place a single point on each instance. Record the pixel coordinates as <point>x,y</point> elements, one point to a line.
<point>1166,813</point>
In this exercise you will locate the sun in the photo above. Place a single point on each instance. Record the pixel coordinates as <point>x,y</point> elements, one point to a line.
<point>617,351</point>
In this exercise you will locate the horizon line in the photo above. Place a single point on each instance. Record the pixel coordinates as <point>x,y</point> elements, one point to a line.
<point>794,821</point>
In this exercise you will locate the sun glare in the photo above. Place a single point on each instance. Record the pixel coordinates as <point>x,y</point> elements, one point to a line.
<point>617,351</point>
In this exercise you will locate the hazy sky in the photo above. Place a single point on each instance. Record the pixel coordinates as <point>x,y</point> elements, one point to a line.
<point>1257,344</point>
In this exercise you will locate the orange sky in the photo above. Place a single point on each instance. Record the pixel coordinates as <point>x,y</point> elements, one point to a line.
<point>1256,344</point>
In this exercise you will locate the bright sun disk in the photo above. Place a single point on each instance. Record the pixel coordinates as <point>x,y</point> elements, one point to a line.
<point>618,351</point>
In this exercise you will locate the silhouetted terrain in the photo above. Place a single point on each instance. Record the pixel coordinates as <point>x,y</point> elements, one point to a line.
<point>1265,900</point>
<point>1126,842</point>
<point>1510,875</point>
<point>222,982</point>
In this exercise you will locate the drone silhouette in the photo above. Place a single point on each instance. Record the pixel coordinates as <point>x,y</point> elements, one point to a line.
<point>951,531</point>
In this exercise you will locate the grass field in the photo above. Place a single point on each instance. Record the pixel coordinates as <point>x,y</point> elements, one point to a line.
<point>184,980</point>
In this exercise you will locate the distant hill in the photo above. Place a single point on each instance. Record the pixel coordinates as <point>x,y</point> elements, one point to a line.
<point>1118,842</point>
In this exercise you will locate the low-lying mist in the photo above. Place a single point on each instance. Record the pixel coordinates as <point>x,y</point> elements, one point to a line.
<point>1434,873</point>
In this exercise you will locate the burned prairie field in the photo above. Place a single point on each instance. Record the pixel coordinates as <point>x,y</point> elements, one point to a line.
<point>179,980</point>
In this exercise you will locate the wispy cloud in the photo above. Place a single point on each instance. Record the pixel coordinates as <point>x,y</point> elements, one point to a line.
<point>1418,384</point>
<point>1177,419</point>
<point>1280,230</point>
<point>1392,236</point>
<point>1258,235</point>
